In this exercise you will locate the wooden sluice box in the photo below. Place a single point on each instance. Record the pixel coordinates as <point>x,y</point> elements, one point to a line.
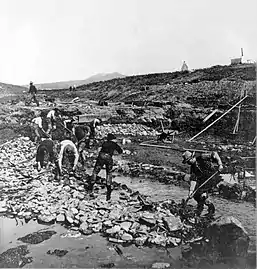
<point>86,118</point>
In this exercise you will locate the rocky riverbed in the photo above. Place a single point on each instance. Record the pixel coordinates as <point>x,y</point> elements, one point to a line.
<point>129,218</point>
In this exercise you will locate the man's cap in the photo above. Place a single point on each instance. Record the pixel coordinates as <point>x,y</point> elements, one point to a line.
<point>111,136</point>
<point>31,82</point>
<point>187,155</point>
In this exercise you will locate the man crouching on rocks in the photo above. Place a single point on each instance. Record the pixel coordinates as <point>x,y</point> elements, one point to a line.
<point>67,146</point>
<point>202,167</point>
<point>56,152</point>
<point>105,158</point>
<point>46,147</point>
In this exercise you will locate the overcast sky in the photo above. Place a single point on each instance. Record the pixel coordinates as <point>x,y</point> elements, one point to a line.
<point>54,40</point>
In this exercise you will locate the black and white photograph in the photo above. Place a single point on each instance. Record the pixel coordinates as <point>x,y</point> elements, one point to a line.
<point>128,134</point>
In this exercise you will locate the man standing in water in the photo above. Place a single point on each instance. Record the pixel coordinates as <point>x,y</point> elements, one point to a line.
<point>105,158</point>
<point>201,168</point>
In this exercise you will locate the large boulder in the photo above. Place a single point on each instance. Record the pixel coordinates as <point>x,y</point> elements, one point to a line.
<point>226,239</point>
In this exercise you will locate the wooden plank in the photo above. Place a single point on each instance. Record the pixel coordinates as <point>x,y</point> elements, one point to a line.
<point>166,147</point>
<point>86,118</point>
<point>209,116</point>
<point>218,118</point>
<point>159,146</point>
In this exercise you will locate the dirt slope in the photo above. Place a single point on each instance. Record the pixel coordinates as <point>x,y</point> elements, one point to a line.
<point>10,90</point>
<point>216,82</point>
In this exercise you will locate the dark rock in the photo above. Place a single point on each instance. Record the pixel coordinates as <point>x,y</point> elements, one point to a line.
<point>107,265</point>
<point>57,252</point>
<point>37,237</point>
<point>227,238</point>
<point>15,257</point>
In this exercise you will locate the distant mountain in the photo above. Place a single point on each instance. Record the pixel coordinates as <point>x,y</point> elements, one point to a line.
<point>67,84</point>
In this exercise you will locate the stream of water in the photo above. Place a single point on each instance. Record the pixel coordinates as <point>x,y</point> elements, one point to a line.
<point>245,212</point>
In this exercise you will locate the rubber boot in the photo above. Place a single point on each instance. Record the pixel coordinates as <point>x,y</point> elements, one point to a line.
<point>211,209</point>
<point>199,209</point>
<point>109,191</point>
<point>92,183</point>
<point>90,188</point>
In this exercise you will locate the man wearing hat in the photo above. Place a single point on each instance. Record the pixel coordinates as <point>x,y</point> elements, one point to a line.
<point>105,158</point>
<point>33,91</point>
<point>201,168</point>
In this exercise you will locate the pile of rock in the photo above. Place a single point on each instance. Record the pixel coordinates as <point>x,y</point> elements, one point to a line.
<point>121,220</point>
<point>32,195</point>
<point>127,129</point>
<point>237,192</point>
<point>127,218</point>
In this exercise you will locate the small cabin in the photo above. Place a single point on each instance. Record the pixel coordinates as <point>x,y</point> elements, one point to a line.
<point>236,61</point>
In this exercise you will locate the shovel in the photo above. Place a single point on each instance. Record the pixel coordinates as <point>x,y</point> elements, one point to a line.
<point>184,202</point>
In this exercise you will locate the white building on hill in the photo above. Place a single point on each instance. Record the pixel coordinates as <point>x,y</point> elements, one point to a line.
<point>184,67</point>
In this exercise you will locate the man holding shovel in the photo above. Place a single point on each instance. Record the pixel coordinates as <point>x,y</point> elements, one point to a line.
<point>202,173</point>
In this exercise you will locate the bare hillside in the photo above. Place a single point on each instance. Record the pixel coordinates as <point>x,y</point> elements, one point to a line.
<point>216,83</point>
<point>8,90</point>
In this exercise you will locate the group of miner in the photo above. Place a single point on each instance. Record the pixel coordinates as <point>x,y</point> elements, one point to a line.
<point>79,138</point>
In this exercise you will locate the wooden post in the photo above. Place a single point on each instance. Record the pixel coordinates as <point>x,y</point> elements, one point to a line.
<point>239,111</point>
<point>237,120</point>
<point>218,118</point>
<point>162,126</point>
